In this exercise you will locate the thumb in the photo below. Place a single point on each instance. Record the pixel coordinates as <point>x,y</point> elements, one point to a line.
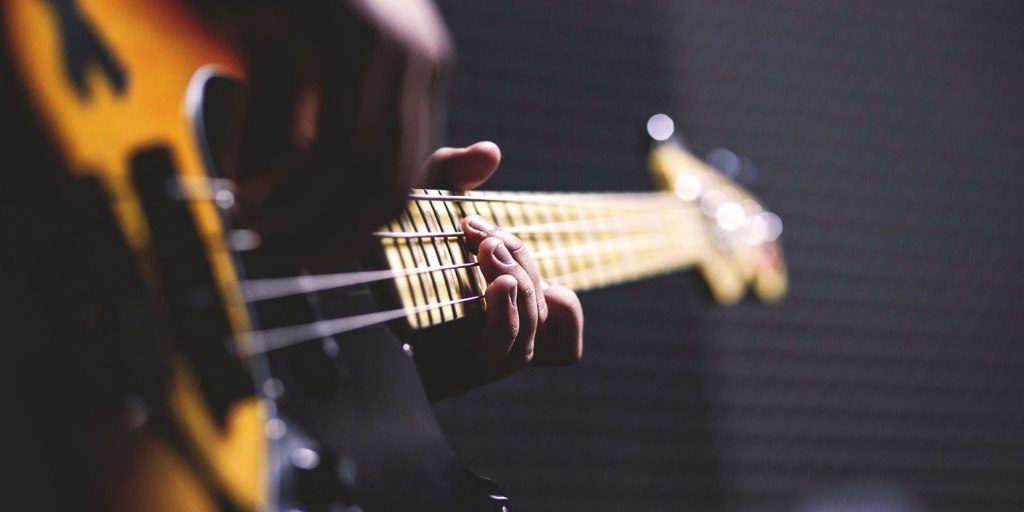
<point>461,168</point>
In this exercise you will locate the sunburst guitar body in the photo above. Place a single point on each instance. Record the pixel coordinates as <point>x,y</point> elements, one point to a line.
<point>116,85</point>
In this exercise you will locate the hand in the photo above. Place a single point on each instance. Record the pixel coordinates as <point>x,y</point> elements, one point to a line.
<point>529,321</point>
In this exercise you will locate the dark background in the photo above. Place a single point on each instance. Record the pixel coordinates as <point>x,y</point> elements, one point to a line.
<point>888,136</point>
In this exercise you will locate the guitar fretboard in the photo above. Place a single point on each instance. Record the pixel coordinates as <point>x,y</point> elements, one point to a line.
<point>580,240</point>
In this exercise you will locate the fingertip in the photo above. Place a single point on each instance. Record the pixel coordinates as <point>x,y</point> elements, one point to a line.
<point>487,150</point>
<point>473,165</point>
<point>562,341</point>
<point>487,258</point>
<point>477,239</point>
<point>507,285</point>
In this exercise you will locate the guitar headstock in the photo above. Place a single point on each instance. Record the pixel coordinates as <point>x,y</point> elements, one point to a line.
<point>746,249</point>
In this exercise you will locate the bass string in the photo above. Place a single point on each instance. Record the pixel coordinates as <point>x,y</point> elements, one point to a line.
<point>255,290</point>
<point>639,202</point>
<point>276,338</point>
<point>271,339</point>
<point>266,340</point>
<point>624,224</point>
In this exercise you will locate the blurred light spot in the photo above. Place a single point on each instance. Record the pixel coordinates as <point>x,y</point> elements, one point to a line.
<point>244,239</point>
<point>224,198</point>
<point>688,187</point>
<point>137,411</point>
<point>304,458</point>
<point>710,200</point>
<point>660,127</point>
<point>273,388</point>
<point>725,161</point>
<point>773,226</point>
<point>348,471</point>
<point>730,216</point>
<point>330,347</point>
<point>275,428</point>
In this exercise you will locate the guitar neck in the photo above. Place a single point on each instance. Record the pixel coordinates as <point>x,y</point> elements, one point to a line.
<point>580,240</point>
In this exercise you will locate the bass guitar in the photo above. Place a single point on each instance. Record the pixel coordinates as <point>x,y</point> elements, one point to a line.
<point>168,364</point>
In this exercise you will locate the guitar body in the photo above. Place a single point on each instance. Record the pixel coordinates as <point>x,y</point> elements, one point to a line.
<point>134,397</point>
<point>109,80</point>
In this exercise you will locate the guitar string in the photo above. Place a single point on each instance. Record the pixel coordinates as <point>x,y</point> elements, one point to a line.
<point>265,289</point>
<point>598,200</point>
<point>568,227</point>
<point>255,290</point>
<point>266,340</point>
<point>272,339</point>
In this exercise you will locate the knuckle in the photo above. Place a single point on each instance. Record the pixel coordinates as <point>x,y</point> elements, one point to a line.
<point>542,309</point>
<point>529,292</point>
<point>506,281</point>
<point>513,243</point>
<point>489,244</point>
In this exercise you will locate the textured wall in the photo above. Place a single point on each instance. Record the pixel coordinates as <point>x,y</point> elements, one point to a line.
<point>889,138</point>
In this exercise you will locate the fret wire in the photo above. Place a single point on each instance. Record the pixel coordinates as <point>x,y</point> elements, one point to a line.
<point>480,283</point>
<point>578,261</point>
<point>437,252</point>
<point>594,238</point>
<point>637,219</point>
<point>660,261</point>
<point>423,285</point>
<point>586,282</point>
<point>436,315</point>
<point>545,227</point>
<point>632,252</point>
<point>459,309</point>
<point>517,217</point>
<point>466,278</point>
<point>500,212</point>
<point>459,234</point>
<point>564,265</point>
<point>533,217</point>
<point>410,288</point>
<point>603,248</point>
<point>595,256</point>
<point>466,256</point>
<point>615,264</point>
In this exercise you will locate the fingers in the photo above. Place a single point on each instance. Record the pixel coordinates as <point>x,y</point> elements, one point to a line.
<point>461,168</point>
<point>479,230</point>
<point>560,339</point>
<point>496,262</point>
<point>502,322</point>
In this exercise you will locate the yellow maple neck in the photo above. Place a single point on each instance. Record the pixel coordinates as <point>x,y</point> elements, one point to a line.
<point>580,240</point>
